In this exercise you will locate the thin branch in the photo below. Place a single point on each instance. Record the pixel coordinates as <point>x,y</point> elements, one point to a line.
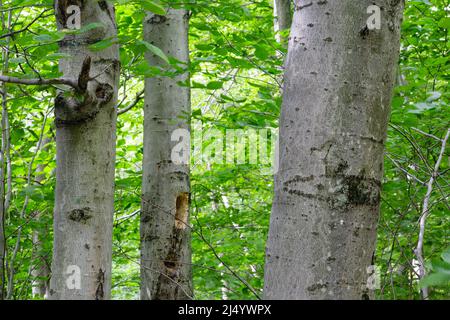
<point>404,170</point>
<point>138,98</point>
<point>39,82</point>
<point>80,85</point>
<point>425,213</point>
<point>10,34</point>
<point>427,134</point>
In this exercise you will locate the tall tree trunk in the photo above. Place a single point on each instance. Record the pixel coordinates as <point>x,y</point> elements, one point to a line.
<point>85,142</point>
<point>283,18</point>
<point>165,231</point>
<point>337,95</point>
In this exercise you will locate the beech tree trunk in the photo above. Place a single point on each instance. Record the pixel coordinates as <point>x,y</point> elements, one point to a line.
<point>165,230</point>
<point>283,17</point>
<point>85,139</point>
<point>337,95</point>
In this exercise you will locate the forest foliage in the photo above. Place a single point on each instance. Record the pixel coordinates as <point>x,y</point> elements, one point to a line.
<point>236,77</point>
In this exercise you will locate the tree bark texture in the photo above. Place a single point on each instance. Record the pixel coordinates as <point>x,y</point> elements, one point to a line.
<point>337,95</point>
<point>85,139</point>
<point>165,231</point>
<point>283,17</point>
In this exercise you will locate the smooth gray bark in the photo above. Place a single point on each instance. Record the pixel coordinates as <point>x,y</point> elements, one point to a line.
<point>283,17</point>
<point>165,231</point>
<point>85,139</point>
<point>338,86</point>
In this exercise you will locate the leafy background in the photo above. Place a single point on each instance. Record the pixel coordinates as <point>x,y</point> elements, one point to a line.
<point>236,70</point>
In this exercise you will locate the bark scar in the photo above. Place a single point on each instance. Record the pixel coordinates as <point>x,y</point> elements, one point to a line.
<point>79,106</point>
<point>99,293</point>
<point>182,211</point>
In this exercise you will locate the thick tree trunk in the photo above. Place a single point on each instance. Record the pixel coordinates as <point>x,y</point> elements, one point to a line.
<point>337,96</point>
<point>165,231</point>
<point>283,17</point>
<point>85,139</point>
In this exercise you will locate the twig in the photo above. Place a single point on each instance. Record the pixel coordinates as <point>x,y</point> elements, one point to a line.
<point>427,134</point>
<point>403,170</point>
<point>138,98</point>
<point>10,34</point>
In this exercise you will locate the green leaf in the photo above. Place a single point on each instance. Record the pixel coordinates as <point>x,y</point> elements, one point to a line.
<point>435,279</point>
<point>261,52</point>
<point>57,56</point>
<point>440,266</point>
<point>397,102</point>
<point>102,45</point>
<point>49,38</point>
<point>215,85</point>
<point>155,50</point>
<point>153,7</point>
<point>204,47</point>
<point>446,255</point>
<point>86,28</point>
<point>444,23</point>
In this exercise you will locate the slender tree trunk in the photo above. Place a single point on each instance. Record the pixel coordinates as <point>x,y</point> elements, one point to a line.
<point>85,142</point>
<point>283,17</point>
<point>5,157</point>
<point>337,96</point>
<point>165,231</point>
<point>40,266</point>
<point>3,199</point>
<point>3,209</point>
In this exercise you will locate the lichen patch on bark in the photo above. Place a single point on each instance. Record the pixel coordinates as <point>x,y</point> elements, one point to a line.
<point>80,215</point>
